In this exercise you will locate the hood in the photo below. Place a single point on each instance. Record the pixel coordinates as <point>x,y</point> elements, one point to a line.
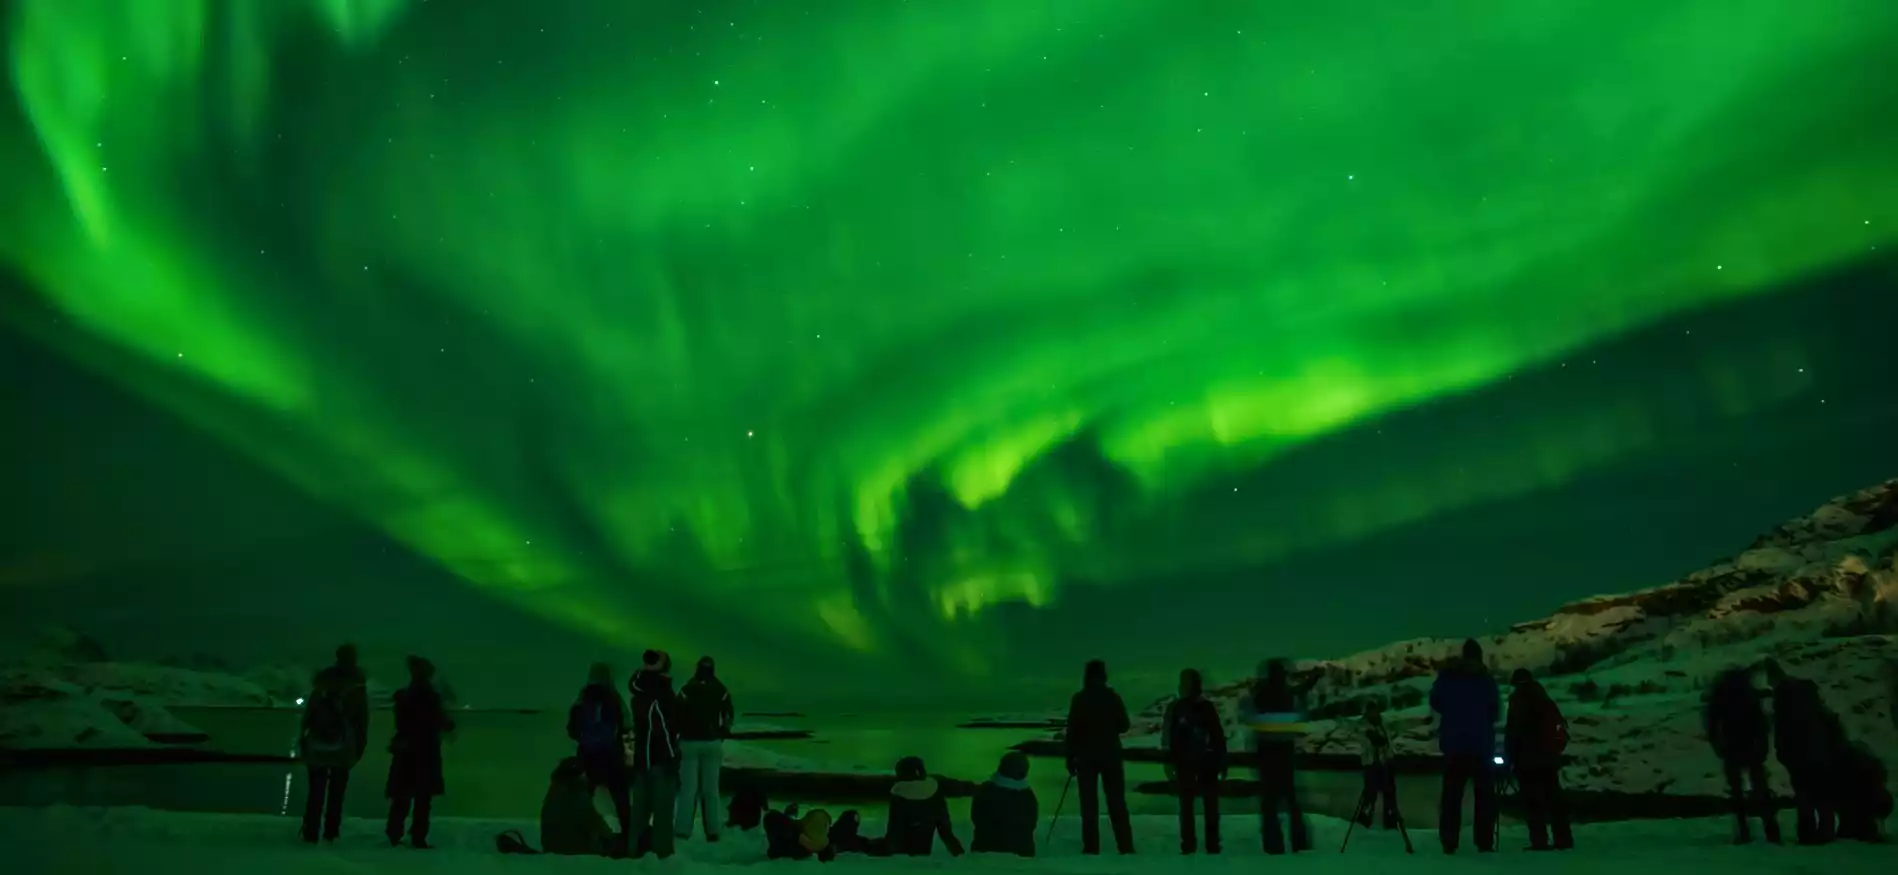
<point>813,830</point>
<point>915,791</point>
<point>1014,766</point>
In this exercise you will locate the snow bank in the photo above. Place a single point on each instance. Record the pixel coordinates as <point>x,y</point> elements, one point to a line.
<point>39,712</point>
<point>134,840</point>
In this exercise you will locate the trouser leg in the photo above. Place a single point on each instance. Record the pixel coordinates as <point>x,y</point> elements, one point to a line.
<point>1089,779</point>
<point>687,804</point>
<point>315,784</point>
<point>1114,785</point>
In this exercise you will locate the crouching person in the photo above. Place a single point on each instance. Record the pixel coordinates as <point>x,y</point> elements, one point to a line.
<point>569,824</point>
<point>1005,810</point>
<point>791,837</point>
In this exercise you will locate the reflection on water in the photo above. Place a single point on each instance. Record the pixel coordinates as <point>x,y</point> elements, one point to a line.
<point>497,767</point>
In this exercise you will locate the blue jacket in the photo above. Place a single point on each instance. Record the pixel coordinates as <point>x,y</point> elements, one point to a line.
<point>1470,703</point>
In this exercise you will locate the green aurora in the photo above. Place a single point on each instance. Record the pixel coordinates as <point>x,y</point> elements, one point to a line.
<point>858,320</point>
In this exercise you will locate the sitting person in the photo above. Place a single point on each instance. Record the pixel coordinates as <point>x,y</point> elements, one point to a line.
<point>918,813</point>
<point>790,837</point>
<point>846,836</point>
<point>1005,810</point>
<point>746,810</point>
<point>569,824</point>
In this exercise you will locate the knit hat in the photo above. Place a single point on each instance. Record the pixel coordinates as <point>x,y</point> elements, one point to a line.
<point>1014,766</point>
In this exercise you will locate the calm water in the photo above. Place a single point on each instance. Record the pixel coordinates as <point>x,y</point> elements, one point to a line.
<point>497,766</point>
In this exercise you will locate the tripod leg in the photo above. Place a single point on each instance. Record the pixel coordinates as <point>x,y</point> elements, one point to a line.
<point>1364,803</point>
<point>1408,849</point>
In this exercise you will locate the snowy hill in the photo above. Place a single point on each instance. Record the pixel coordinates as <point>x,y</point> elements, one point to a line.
<point>1819,593</point>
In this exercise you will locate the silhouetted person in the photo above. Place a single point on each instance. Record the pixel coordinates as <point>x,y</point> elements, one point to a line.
<point>415,754</point>
<point>1738,731</point>
<point>1468,704</point>
<point>597,725</point>
<point>1803,742</point>
<point>655,786</point>
<point>1194,740</point>
<point>846,834</point>
<point>331,740</point>
<point>791,836</point>
<point>1005,810</point>
<point>918,813</point>
<point>1380,778</point>
<point>1096,720</point>
<point>1534,738</point>
<point>569,824</point>
<point>1270,711</point>
<point>747,808</point>
<point>705,719</point>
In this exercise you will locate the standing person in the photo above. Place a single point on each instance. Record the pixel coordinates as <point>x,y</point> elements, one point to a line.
<point>331,740</point>
<point>1380,778</point>
<point>655,755</point>
<point>1194,740</point>
<point>1271,710</point>
<point>705,719</point>
<point>1802,741</point>
<point>1005,810</point>
<point>1535,735</point>
<point>1738,731</point>
<point>597,725</point>
<point>415,754</point>
<point>1468,703</point>
<point>1097,718</point>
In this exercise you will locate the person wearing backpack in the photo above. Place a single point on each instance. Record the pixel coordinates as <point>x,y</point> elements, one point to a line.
<point>1194,741</point>
<point>597,725</point>
<point>705,719</point>
<point>1534,737</point>
<point>331,740</point>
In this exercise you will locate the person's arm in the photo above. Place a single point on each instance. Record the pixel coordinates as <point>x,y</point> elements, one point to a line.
<point>1122,725</point>
<point>1067,731</point>
<point>1216,728</point>
<point>1034,818</point>
<point>727,713</point>
<point>359,714</point>
<point>1166,727</point>
<point>945,828</point>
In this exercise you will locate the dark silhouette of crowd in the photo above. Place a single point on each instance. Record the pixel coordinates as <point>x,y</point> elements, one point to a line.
<point>658,753</point>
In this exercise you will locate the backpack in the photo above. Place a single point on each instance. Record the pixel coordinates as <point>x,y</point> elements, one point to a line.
<point>1197,740</point>
<point>326,727</point>
<point>597,731</point>
<point>1554,731</point>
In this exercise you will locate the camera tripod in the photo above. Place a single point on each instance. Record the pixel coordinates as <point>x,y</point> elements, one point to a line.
<point>1367,803</point>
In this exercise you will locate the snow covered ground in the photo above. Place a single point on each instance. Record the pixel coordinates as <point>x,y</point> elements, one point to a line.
<point>112,840</point>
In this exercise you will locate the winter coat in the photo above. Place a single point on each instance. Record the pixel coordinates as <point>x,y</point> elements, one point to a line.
<point>350,690</point>
<point>1261,707</point>
<point>597,702</point>
<point>1193,736</point>
<point>1526,733</point>
<point>1736,722</point>
<point>655,722</point>
<point>1469,704</point>
<point>918,813</point>
<point>705,709</point>
<point>1005,811</point>
<point>569,823</point>
<point>1096,719</point>
<point>415,753</point>
<point>1801,726</point>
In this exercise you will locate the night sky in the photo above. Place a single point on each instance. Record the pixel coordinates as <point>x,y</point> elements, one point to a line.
<point>920,348</point>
